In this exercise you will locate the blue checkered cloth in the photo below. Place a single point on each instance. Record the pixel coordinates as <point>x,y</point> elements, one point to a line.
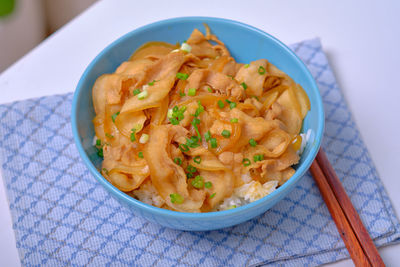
<point>62,216</point>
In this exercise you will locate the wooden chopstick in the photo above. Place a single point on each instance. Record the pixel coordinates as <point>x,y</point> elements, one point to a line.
<point>356,238</point>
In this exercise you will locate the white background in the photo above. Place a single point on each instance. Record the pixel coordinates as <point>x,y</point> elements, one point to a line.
<point>361,39</point>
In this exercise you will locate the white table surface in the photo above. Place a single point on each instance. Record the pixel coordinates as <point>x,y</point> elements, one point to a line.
<point>361,39</point>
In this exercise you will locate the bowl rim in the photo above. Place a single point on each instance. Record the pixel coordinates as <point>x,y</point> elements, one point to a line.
<point>188,215</point>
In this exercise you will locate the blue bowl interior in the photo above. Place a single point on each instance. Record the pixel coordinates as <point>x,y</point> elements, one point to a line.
<point>245,44</point>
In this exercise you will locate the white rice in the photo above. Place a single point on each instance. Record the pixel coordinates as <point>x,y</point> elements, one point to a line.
<point>247,193</point>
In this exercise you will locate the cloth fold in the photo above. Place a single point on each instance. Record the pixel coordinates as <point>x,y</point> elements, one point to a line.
<point>62,216</point>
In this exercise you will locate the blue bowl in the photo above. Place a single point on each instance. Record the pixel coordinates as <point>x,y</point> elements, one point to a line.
<point>246,44</point>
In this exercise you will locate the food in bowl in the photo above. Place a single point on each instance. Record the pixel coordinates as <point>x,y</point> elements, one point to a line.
<point>187,128</point>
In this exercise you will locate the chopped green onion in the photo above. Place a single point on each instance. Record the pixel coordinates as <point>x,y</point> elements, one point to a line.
<point>175,115</point>
<point>152,83</point>
<point>136,91</point>
<point>252,142</point>
<point>244,85</point>
<point>246,162</point>
<point>258,157</point>
<point>209,89</point>
<point>207,184</point>
<point>174,121</point>
<point>221,104</point>
<point>133,137</point>
<point>183,148</point>
<point>105,170</point>
<point>198,182</point>
<point>109,135</point>
<point>197,159</point>
<point>213,195</point>
<point>256,97</point>
<point>230,76</point>
<point>231,104</point>
<point>207,136</point>
<point>100,152</point>
<point>261,70</point>
<point>213,142</point>
<point>143,95</point>
<point>199,110</point>
<point>98,142</point>
<point>144,138</point>
<point>182,94</point>
<point>114,116</point>
<point>231,207</point>
<point>192,142</point>
<point>176,198</point>
<point>169,113</point>
<point>234,120</point>
<point>191,169</point>
<point>246,65</point>
<point>178,161</point>
<point>140,154</point>
<point>182,76</point>
<point>186,47</point>
<point>226,133</point>
<point>192,92</point>
<point>195,121</point>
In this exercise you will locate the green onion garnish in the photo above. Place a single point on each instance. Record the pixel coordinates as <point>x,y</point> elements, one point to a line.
<point>231,104</point>
<point>197,159</point>
<point>207,136</point>
<point>244,85</point>
<point>258,157</point>
<point>140,154</point>
<point>261,70</point>
<point>105,170</point>
<point>114,116</point>
<point>109,135</point>
<point>198,182</point>
<point>182,76</point>
<point>182,94</point>
<point>234,120</point>
<point>213,195</point>
<point>221,104</point>
<point>142,95</point>
<point>152,83</point>
<point>183,148</point>
<point>246,65</point>
<point>192,92</point>
<point>191,169</point>
<point>98,142</point>
<point>246,162</point>
<point>176,114</point>
<point>207,184</point>
<point>100,152</point>
<point>178,161</point>
<point>133,137</point>
<point>209,89</point>
<point>226,133</point>
<point>252,142</point>
<point>176,198</point>
<point>213,143</point>
<point>231,207</point>
<point>136,91</point>
<point>199,110</point>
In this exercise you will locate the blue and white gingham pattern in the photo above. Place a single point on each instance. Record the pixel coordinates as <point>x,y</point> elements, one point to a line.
<point>62,216</point>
